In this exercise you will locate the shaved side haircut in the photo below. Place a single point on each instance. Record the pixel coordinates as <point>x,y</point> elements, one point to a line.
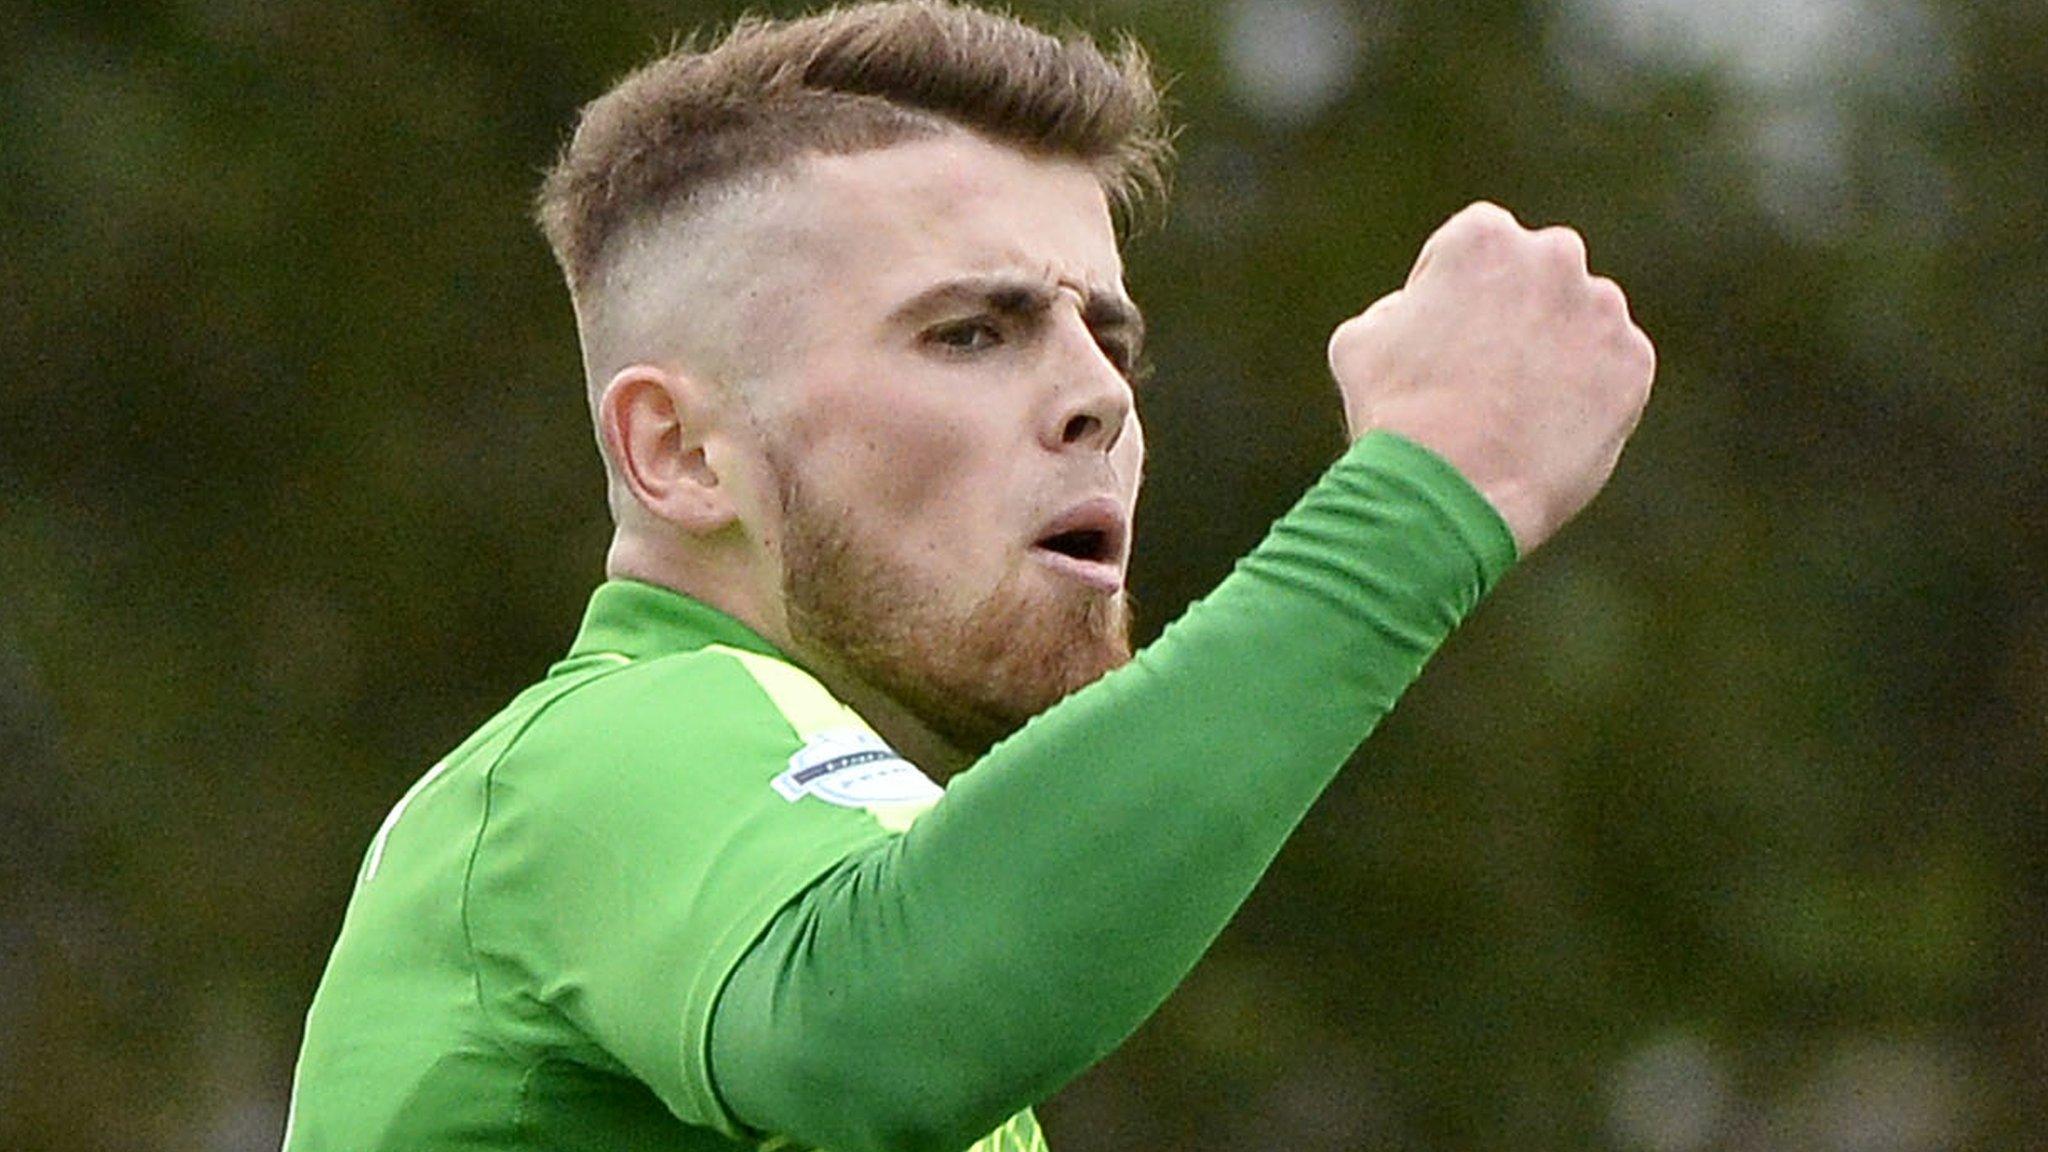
<point>844,81</point>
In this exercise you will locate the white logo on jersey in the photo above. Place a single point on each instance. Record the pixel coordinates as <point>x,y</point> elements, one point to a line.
<point>854,769</point>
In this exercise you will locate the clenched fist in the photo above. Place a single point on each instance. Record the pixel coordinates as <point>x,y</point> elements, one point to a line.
<point>1506,357</point>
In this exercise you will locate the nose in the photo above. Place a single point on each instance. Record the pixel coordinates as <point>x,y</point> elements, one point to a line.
<point>1092,399</point>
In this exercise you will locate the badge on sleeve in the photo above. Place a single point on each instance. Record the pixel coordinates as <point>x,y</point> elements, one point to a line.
<point>854,769</point>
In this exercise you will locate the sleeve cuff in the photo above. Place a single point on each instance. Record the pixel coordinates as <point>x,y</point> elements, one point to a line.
<point>1469,515</point>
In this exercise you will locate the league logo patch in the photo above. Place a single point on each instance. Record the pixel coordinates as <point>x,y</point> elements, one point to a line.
<point>854,769</point>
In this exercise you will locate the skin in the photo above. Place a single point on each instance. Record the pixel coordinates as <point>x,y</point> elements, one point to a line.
<point>949,382</point>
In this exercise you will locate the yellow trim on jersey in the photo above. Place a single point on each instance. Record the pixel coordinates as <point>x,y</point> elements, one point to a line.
<point>804,702</point>
<point>812,710</point>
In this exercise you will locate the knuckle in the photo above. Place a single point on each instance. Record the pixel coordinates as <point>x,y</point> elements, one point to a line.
<point>1608,297</point>
<point>1564,243</point>
<point>1482,224</point>
<point>1645,353</point>
<point>1487,214</point>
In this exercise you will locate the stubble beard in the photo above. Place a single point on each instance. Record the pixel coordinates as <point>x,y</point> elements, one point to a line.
<point>972,677</point>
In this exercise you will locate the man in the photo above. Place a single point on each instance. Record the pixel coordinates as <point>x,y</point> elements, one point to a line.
<point>860,360</point>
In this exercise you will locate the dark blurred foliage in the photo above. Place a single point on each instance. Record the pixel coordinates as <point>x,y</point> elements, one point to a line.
<point>1722,827</point>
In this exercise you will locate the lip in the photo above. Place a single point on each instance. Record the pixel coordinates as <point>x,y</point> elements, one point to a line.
<point>1104,514</point>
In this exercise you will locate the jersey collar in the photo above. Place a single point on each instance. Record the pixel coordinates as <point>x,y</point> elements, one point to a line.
<point>640,621</point>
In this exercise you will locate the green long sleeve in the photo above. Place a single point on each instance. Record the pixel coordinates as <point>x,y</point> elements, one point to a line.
<point>936,983</point>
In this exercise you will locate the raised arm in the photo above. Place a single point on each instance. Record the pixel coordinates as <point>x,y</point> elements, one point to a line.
<point>934,984</point>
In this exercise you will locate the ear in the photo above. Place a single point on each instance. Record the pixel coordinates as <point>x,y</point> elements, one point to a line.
<point>655,423</point>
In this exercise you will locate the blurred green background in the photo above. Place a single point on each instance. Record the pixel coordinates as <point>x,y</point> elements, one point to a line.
<point>1723,826</point>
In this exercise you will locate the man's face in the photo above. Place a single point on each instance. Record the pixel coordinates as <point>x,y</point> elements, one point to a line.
<point>951,433</point>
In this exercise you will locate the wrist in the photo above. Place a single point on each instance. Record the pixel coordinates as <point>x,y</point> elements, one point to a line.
<point>1473,513</point>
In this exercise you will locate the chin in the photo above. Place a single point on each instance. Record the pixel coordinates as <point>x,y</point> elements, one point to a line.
<point>975,678</point>
<point>1010,668</point>
<point>971,669</point>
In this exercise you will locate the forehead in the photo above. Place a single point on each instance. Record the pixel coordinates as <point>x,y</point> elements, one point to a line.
<point>880,225</point>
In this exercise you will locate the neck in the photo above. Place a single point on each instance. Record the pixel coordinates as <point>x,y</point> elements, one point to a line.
<point>720,578</point>
<point>911,737</point>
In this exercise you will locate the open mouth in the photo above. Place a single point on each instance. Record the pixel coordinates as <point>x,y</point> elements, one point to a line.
<point>1087,543</point>
<point>1080,544</point>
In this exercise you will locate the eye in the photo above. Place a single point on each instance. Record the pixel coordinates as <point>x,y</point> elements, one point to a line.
<point>965,336</point>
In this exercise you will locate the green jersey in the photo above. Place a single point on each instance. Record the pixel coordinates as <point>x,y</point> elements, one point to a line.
<point>542,923</point>
<point>676,896</point>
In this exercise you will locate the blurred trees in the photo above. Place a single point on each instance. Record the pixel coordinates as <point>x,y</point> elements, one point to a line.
<point>1721,827</point>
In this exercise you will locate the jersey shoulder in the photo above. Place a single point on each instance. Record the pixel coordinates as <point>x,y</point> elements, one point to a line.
<point>718,732</point>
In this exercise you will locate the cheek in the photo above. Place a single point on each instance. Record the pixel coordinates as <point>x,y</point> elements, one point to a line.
<point>907,463</point>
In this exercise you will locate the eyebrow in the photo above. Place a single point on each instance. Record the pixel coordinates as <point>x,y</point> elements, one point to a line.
<point>1018,295</point>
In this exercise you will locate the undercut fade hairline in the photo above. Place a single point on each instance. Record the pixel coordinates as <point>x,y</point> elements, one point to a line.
<point>845,81</point>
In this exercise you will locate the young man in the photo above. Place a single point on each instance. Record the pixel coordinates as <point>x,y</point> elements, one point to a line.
<point>860,359</point>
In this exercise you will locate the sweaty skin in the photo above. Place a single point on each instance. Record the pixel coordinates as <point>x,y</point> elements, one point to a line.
<point>942,980</point>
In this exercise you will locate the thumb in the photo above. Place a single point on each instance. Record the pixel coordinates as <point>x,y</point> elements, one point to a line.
<point>1354,328</point>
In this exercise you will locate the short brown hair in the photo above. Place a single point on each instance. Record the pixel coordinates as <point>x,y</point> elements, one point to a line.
<point>843,81</point>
